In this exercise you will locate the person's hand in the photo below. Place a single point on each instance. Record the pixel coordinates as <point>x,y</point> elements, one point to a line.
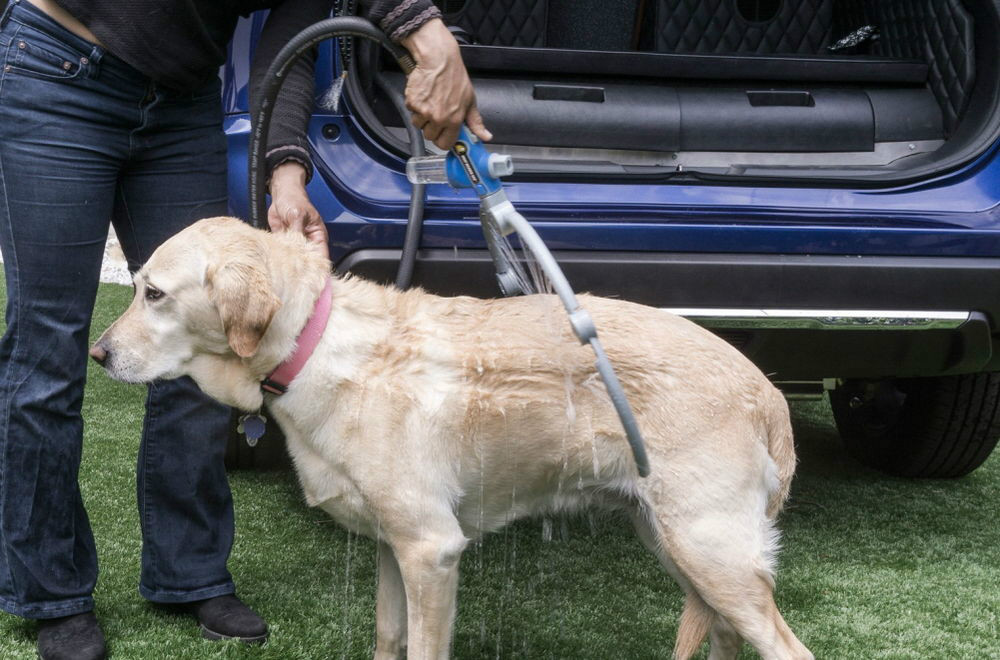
<point>291,209</point>
<point>439,92</point>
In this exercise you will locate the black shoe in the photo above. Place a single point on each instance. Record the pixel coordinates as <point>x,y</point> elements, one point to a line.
<point>76,637</point>
<point>226,617</point>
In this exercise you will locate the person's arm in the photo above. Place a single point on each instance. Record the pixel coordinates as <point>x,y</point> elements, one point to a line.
<point>438,92</point>
<point>288,160</point>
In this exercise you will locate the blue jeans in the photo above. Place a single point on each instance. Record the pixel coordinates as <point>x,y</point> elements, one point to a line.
<point>85,139</point>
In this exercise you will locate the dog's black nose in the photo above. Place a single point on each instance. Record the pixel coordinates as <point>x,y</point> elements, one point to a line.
<point>99,353</point>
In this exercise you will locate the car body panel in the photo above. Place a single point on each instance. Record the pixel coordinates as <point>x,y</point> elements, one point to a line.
<point>361,190</point>
<point>365,201</point>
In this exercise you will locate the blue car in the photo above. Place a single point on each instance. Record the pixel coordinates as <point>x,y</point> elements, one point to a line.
<point>817,181</point>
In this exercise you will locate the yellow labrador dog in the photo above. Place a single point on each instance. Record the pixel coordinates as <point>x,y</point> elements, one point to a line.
<point>425,422</point>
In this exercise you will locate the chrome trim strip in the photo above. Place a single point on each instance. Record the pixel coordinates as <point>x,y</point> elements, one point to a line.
<point>822,319</point>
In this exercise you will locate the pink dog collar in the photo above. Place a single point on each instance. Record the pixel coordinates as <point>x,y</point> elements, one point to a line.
<point>277,381</point>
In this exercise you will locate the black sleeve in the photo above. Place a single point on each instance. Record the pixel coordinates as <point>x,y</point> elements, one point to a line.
<point>398,18</point>
<point>290,118</point>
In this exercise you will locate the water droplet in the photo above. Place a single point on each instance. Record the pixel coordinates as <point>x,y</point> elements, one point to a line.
<point>331,98</point>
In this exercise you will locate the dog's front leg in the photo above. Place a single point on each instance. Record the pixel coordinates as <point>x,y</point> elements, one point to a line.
<point>390,607</point>
<point>429,567</point>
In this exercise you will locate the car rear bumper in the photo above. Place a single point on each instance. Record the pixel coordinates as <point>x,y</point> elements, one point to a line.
<point>796,317</point>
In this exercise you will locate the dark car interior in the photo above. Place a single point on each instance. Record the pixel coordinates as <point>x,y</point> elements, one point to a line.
<point>867,90</point>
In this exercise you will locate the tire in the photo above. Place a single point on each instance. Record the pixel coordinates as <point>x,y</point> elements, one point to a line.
<point>941,427</point>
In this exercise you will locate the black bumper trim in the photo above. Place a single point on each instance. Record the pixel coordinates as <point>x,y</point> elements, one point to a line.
<point>802,282</point>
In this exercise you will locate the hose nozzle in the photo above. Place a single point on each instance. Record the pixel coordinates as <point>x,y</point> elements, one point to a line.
<point>446,169</point>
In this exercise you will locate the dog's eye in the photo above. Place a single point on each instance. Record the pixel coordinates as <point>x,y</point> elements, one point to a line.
<point>152,293</point>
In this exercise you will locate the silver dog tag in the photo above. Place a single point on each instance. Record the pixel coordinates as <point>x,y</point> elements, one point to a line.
<point>252,425</point>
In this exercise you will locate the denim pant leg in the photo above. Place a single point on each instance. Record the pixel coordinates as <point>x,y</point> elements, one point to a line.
<point>56,197</point>
<point>177,175</point>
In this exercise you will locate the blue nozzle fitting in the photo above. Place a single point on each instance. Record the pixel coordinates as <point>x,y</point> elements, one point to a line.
<point>468,165</point>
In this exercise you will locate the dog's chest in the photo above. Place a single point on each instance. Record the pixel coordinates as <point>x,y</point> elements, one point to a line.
<point>328,485</point>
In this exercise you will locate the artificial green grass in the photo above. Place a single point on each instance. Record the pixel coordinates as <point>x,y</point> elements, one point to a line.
<point>873,567</point>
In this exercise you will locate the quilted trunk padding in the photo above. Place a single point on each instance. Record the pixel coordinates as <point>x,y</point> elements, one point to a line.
<point>940,32</point>
<point>716,26</point>
<point>504,22</point>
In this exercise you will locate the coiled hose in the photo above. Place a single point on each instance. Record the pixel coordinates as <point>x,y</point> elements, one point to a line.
<point>340,26</point>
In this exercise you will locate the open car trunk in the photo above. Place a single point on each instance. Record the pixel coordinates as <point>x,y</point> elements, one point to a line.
<point>857,90</point>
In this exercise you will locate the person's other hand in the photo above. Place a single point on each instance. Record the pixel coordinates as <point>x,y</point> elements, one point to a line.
<point>439,92</point>
<point>291,209</point>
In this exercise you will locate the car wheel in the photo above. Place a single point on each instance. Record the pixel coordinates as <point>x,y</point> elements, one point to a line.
<point>920,427</point>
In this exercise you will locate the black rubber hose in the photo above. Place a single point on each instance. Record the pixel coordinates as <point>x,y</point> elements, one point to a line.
<point>341,26</point>
<point>415,218</point>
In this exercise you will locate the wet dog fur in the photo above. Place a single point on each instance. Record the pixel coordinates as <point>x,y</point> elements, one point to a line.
<point>425,422</point>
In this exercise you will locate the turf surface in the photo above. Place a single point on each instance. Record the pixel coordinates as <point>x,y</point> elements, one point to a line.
<point>873,567</point>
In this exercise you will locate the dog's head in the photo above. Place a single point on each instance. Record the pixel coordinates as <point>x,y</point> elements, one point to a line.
<point>202,304</point>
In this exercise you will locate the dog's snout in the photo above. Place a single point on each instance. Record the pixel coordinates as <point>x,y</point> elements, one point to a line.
<point>99,352</point>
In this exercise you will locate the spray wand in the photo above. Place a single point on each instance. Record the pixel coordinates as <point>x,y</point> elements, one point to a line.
<point>469,164</point>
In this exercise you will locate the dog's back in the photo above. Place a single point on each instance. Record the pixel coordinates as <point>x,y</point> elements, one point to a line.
<point>532,403</point>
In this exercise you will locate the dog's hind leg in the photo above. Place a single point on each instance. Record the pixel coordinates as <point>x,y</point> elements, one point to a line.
<point>724,642</point>
<point>730,573</point>
<point>697,617</point>
<point>754,616</point>
<point>717,547</point>
<point>390,608</point>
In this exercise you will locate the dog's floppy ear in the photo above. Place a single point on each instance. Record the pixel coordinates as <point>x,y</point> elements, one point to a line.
<point>242,292</point>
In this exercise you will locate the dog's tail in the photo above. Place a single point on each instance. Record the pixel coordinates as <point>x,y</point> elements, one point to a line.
<point>781,447</point>
<point>696,621</point>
